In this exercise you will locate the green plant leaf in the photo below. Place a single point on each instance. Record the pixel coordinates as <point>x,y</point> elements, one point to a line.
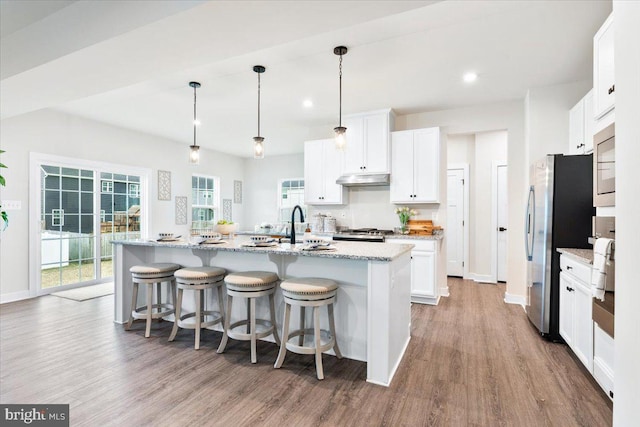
<point>2,181</point>
<point>2,166</point>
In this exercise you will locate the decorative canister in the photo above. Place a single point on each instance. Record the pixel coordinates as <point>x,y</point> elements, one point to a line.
<point>317,223</point>
<point>329,224</point>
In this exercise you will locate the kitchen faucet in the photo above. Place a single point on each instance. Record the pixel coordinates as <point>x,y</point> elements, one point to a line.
<point>293,223</point>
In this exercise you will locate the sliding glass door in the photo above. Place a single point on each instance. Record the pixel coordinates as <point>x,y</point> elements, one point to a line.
<point>80,210</point>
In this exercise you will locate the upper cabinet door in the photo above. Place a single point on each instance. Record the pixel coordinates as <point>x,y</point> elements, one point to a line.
<point>589,121</point>
<point>313,172</point>
<point>401,190</point>
<point>354,151</point>
<point>376,137</point>
<point>426,175</point>
<point>603,69</point>
<point>333,162</point>
<point>576,128</point>
<point>367,149</point>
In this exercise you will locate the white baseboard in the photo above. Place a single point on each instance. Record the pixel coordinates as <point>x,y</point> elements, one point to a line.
<point>14,296</point>
<point>515,299</point>
<point>444,291</point>
<point>424,299</point>
<point>481,278</point>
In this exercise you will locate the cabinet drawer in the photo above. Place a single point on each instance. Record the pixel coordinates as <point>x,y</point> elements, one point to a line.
<point>576,269</point>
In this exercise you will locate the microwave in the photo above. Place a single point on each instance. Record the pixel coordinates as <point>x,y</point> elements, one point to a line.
<point>604,167</point>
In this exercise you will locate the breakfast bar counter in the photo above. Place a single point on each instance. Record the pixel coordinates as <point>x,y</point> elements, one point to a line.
<point>373,308</point>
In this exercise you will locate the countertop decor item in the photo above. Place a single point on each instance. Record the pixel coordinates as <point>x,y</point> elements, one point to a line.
<point>404,213</point>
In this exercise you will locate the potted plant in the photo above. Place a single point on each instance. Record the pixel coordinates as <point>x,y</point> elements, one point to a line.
<point>404,213</point>
<point>3,213</point>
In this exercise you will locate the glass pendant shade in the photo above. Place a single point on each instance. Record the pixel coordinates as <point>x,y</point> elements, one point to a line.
<point>341,137</point>
<point>258,147</point>
<point>194,154</point>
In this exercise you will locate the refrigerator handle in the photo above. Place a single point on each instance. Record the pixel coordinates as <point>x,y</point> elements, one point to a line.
<point>530,212</point>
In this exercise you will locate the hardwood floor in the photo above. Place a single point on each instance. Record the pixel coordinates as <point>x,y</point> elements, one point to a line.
<point>472,361</point>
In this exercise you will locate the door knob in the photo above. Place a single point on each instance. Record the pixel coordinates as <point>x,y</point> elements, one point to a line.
<point>502,229</point>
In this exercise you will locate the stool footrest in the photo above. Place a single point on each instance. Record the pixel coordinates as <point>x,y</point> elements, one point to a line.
<point>304,349</point>
<point>141,312</point>
<point>217,318</point>
<point>243,336</point>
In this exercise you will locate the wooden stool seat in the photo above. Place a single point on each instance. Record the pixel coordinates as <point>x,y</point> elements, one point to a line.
<point>150,274</point>
<point>250,285</point>
<point>198,279</point>
<point>309,292</point>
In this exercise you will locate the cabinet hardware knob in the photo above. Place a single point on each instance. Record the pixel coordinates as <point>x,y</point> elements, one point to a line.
<point>580,146</point>
<point>502,229</point>
<point>569,267</point>
<point>612,89</point>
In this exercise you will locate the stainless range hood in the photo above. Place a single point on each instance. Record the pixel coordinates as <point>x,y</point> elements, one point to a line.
<point>363,180</point>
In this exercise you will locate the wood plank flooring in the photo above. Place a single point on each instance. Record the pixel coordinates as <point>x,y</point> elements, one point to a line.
<point>472,361</point>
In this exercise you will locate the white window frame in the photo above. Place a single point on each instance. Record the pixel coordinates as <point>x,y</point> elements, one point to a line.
<point>215,197</point>
<point>134,190</point>
<point>106,185</point>
<point>57,217</point>
<point>279,192</point>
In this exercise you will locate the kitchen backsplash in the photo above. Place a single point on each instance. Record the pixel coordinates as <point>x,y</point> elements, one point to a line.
<point>370,207</point>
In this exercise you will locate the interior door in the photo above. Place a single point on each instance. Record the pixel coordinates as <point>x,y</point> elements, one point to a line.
<point>502,215</point>
<point>455,222</point>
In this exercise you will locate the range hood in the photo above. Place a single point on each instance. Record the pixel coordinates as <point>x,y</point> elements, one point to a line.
<point>363,180</point>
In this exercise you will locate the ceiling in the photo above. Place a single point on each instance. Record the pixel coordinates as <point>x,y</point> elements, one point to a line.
<point>128,63</point>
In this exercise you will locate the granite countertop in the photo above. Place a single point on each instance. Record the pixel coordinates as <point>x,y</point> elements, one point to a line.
<point>344,250</point>
<point>582,255</point>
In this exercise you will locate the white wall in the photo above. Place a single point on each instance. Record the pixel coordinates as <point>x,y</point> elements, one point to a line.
<point>626,411</point>
<point>503,115</point>
<point>461,149</point>
<point>548,117</point>
<point>56,133</point>
<point>261,183</point>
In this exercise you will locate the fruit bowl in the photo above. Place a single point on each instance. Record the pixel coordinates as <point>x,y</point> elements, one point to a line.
<point>226,229</point>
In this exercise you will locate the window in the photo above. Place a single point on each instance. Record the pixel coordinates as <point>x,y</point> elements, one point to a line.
<point>107,186</point>
<point>290,194</point>
<point>134,190</point>
<point>57,217</point>
<point>205,201</point>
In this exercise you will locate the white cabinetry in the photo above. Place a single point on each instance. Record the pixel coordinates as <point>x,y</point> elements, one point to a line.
<point>603,358</point>
<point>367,149</point>
<point>323,165</point>
<point>603,69</point>
<point>576,325</point>
<point>581,124</point>
<point>424,257</point>
<point>415,166</point>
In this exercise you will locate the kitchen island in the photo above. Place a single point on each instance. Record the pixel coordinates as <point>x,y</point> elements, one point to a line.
<point>373,308</point>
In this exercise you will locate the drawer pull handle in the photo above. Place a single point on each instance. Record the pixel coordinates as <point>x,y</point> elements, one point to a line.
<point>569,267</point>
<point>569,289</point>
<point>612,89</point>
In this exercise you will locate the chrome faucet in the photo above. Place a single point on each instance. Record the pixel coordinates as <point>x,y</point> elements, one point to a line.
<point>293,223</point>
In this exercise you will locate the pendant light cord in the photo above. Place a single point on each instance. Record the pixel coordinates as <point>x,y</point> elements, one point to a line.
<point>340,117</point>
<point>194,115</point>
<point>258,104</point>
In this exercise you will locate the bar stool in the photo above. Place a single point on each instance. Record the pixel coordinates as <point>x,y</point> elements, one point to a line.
<point>148,274</point>
<point>198,279</point>
<point>309,292</point>
<point>250,285</point>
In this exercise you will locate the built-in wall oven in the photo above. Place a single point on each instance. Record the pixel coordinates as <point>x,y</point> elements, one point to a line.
<point>604,167</point>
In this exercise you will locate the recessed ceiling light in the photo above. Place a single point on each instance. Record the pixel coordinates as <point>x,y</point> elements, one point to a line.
<point>470,77</point>
<point>307,103</point>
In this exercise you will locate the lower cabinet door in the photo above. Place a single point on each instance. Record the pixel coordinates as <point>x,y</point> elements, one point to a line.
<point>567,303</point>
<point>583,326</point>
<point>423,273</point>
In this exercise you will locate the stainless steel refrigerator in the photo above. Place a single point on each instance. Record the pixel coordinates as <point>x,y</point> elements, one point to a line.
<point>559,212</point>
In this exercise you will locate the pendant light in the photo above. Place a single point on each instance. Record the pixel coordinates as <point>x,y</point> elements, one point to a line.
<point>341,131</point>
<point>194,155</point>
<point>258,141</point>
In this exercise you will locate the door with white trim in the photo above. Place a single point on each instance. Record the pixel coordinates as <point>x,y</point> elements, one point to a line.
<point>502,208</point>
<point>455,222</point>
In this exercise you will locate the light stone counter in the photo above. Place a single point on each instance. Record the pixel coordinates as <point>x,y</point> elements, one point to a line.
<point>373,303</point>
<point>414,237</point>
<point>582,255</point>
